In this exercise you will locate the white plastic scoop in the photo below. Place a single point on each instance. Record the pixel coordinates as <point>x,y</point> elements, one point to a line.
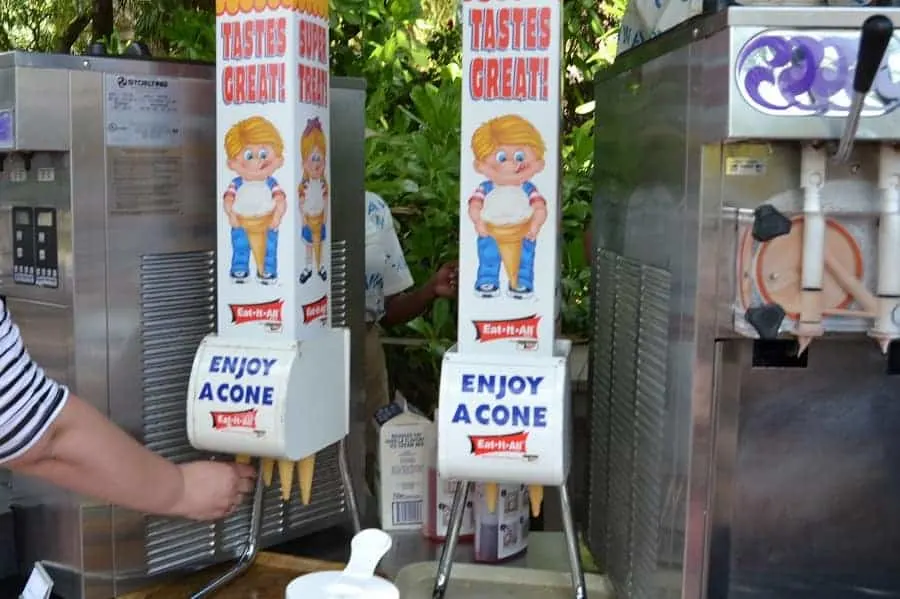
<point>357,580</point>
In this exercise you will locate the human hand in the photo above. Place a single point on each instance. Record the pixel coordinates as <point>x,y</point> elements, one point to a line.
<point>276,222</point>
<point>532,233</point>
<point>446,280</point>
<point>212,490</point>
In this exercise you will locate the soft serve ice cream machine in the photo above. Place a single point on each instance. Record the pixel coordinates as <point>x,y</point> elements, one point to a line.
<point>746,292</point>
<point>504,396</point>
<point>109,200</point>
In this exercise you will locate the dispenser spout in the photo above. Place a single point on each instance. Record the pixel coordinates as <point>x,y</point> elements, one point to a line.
<point>876,34</point>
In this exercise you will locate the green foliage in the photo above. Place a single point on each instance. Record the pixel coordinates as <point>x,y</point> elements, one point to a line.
<point>409,53</point>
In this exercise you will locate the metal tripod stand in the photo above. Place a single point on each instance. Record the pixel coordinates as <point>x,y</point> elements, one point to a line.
<point>579,591</point>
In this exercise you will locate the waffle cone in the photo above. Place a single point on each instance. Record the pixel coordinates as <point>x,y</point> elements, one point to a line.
<point>306,468</point>
<point>509,244</point>
<point>268,469</point>
<point>286,474</point>
<point>256,228</point>
<point>315,222</point>
<point>536,497</point>
<point>490,496</point>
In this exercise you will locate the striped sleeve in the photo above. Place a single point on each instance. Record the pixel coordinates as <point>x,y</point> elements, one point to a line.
<point>29,400</point>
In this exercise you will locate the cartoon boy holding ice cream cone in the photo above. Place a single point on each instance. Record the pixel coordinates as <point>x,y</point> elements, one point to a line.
<point>313,195</point>
<point>507,209</point>
<point>254,201</point>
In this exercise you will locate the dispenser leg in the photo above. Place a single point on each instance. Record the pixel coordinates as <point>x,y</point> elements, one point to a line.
<point>347,481</point>
<point>578,588</point>
<point>460,496</point>
<point>251,548</point>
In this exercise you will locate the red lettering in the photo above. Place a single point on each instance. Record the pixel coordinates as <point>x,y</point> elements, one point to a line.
<point>316,311</point>
<point>313,85</point>
<point>487,444</point>
<point>475,20</point>
<point>313,42</point>
<point>254,84</point>
<point>546,35</point>
<point>503,27</point>
<point>489,34</point>
<point>255,38</point>
<point>263,312</point>
<point>509,78</point>
<point>227,420</point>
<point>511,28</point>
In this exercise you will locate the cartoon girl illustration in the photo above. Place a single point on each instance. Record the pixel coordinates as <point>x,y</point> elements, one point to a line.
<point>507,209</point>
<point>313,195</point>
<point>254,201</point>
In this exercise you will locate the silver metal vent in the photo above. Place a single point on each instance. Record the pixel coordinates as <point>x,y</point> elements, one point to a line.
<point>340,290</point>
<point>604,298</point>
<point>649,421</point>
<point>631,308</point>
<point>178,308</point>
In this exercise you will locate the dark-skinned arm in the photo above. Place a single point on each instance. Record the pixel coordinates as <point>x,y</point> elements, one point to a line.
<point>404,307</point>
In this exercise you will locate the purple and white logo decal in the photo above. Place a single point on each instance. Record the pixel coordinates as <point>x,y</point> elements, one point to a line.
<point>794,73</point>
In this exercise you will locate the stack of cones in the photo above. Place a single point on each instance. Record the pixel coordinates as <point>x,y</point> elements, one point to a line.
<point>535,495</point>
<point>305,470</point>
<point>490,496</point>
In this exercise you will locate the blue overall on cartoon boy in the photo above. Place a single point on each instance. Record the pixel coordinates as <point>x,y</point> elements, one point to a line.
<point>507,209</point>
<point>254,201</point>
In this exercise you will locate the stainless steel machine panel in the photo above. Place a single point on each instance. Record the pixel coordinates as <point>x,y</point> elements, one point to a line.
<point>724,465</point>
<point>126,169</point>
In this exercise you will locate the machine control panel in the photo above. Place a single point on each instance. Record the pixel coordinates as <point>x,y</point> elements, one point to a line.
<point>35,247</point>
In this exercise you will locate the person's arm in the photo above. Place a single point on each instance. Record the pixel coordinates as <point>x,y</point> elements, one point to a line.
<point>84,452</point>
<point>46,431</point>
<point>400,308</point>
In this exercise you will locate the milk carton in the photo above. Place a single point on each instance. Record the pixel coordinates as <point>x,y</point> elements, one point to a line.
<point>439,500</point>
<point>503,533</point>
<point>404,437</point>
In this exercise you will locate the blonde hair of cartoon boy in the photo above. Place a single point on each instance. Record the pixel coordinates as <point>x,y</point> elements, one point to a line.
<point>313,195</point>
<point>507,209</point>
<point>254,201</point>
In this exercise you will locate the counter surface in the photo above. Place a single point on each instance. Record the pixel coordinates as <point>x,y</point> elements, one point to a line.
<point>546,551</point>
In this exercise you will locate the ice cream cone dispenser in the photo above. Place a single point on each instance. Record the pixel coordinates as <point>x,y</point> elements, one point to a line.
<point>505,413</point>
<point>745,302</point>
<point>109,202</point>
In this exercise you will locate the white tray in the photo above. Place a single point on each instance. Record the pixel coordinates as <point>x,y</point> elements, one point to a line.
<point>471,581</point>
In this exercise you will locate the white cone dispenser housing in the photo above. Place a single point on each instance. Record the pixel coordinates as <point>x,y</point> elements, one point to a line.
<point>273,381</point>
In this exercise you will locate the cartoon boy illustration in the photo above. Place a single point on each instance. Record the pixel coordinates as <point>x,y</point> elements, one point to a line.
<point>507,209</point>
<point>254,202</point>
<point>313,194</point>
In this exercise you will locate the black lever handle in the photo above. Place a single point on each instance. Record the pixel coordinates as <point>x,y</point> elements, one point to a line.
<point>873,42</point>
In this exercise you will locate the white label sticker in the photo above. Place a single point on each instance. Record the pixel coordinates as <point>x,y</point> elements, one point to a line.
<point>46,175</point>
<point>143,112</point>
<point>744,166</point>
<point>39,584</point>
<point>18,175</point>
